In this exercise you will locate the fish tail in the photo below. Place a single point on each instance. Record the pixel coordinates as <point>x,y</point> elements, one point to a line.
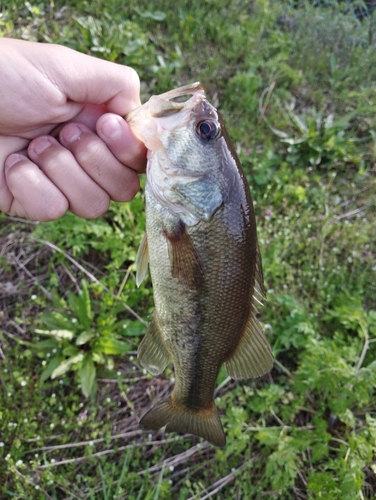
<point>177,417</point>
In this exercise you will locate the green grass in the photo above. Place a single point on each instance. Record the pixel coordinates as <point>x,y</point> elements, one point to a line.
<point>296,86</point>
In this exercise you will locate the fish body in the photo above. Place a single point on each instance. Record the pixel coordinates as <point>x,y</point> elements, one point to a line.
<point>205,266</point>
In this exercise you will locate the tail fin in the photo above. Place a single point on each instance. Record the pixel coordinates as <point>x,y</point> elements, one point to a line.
<point>204,423</point>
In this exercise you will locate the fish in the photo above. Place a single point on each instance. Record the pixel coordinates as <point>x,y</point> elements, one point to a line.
<point>201,248</point>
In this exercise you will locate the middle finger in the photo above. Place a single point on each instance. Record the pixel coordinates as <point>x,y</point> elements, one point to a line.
<point>85,197</point>
<point>119,181</point>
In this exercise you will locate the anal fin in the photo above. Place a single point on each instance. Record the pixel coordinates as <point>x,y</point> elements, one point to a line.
<point>152,351</point>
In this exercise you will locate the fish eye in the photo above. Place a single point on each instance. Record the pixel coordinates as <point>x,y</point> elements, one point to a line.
<point>208,129</point>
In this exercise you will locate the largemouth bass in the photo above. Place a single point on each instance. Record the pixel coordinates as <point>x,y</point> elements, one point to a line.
<point>205,265</point>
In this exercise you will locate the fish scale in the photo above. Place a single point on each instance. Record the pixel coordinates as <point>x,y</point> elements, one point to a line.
<point>201,248</point>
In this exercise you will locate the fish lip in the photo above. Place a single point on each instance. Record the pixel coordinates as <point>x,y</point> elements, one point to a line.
<point>128,117</point>
<point>169,106</point>
<point>191,88</point>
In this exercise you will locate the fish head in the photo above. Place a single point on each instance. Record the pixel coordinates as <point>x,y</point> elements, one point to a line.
<point>187,153</point>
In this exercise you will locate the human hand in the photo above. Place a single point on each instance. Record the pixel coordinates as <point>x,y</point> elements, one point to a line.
<point>48,166</point>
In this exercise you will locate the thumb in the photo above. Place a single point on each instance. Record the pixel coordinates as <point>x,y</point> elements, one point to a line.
<point>86,79</point>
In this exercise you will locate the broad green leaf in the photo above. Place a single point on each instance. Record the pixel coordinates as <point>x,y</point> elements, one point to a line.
<point>111,345</point>
<point>87,374</point>
<point>130,328</point>
<point>46,345</point>
<point>156,15</point>
<point>84,312</point>
<point>372,322</point>
<point>52,365</point>
<point>294,140</point>
<point>110,363</point>
<point>57,334</point>
<point>85,337</point>
<point>99,358</point>
<point>58,302</point>
<point>66,365</point>
<point>56,321</point>
<point>299,123</point>
<point>74,301</point>
<point>80,306</point>
<point>71,350</point>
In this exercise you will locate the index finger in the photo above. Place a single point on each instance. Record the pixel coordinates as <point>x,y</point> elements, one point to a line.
<point>119,138</point>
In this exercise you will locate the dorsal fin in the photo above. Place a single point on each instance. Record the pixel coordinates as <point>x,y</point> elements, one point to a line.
<point>253,356</point>
<point>259,289</point>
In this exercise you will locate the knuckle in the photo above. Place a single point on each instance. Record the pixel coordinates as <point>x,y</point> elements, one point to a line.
<point>51,164</point>
<point>90,153</point>
<point>52,159</point>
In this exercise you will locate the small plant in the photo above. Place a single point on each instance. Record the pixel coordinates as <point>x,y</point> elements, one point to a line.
<point>76,341</point>
<point>321,140</point>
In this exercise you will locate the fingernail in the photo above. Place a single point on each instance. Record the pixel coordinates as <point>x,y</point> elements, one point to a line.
<point>111,128</point>
<point>40,144</point>
<point>12,160</point>
<point>70,133</point>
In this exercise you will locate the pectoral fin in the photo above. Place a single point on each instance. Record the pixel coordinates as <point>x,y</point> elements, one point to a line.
<point>152,351</point>
<point>142,260</point>
<point>185,260</point>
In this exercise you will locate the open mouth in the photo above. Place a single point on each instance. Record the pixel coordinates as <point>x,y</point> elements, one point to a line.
<point>181,92</point>
<point>170,102</point>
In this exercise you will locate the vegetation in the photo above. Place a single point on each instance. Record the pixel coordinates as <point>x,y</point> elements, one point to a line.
<point>296,85</point>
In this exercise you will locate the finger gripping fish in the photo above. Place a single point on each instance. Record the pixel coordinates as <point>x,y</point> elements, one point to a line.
<point>201,247</point>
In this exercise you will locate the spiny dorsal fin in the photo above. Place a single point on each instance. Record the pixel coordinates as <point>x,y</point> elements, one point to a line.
<point>152,351</point>
<point>142,260</point>
<point>204,423</point>
<point>185,260</point>
<point>259,289</point>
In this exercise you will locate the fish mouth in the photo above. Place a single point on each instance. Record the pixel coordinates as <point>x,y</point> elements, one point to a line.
<point>170,102</point>
<point>189,89</point>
